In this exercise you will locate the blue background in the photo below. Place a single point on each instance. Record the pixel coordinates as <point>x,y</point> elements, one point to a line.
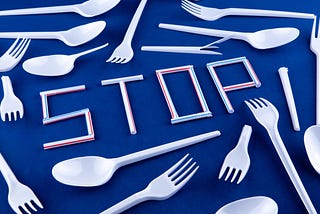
<point>21,141</point>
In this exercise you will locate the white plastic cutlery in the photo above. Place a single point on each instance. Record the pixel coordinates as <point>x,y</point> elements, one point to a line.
<point>237,160</point>
<point>263,39</point>
<point>20,196</point>
<point>88,8</point>
<point>124,53</point>
<point>161,188</point>
<point>54,65</point>
<point>211,14</point>
<point>206,49</point>
<point>14,54</point>
<point>89,171</point>
<point>267,115</point>
<point>10,104</point>
<point>72,37</point>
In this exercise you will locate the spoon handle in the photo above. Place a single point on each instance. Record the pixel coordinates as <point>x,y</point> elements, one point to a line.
<point>31,35</point>
<point>148,153</point>
<point>89,51</point>
<point>39,10</point>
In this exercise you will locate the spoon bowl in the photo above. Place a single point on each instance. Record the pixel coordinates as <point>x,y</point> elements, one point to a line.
<point>252,205</point>
<point>271,38</point>
<point>83,33</point>
<point>93,8</point>
<point>312,145</point>
<point>86,171</point>
<point>54,65</point>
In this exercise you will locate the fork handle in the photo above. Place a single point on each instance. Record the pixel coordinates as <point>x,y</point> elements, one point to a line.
<point>134,22</point>
<point>7,172</point>
<point>7,86</point>
<point>288,165</point>
<point>267,13</point>
<point>127,203</point>
<point>40,10</point>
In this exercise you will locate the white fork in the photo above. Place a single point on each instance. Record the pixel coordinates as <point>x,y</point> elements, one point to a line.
<point>124,53</point>
<point>315,48</point>
<point>161,188</point>
<point>14,54</point>
<point>211,14</point>
<point>19,194</point>
<point>267,115</point>
<point>238,159</point>
<point>10,103</point>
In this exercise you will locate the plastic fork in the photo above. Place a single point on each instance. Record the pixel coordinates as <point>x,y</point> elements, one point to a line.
<point>211,14</point>
<point>20,196</point>
<point>315,48</point>
<point>10,104</point>
<point>238,160</point>
<point>267,115</point>
<point>161,188</point>
<point>124,53</point>
<point>14,54</point>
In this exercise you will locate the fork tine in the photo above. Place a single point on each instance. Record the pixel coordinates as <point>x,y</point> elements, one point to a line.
<point>235,175</point>
<point>186,179</point>
<point>37,202</point>
<point>17,47</point>
<point>171,169</point>
<point>15,115</point>
<point>222,170</point>
<point>19,54</point>
<point>241,177</point>
<point>194,13</point>
<point>313,32</point>
<point>13,45</point>
<point>31,206</point>
<point>174,175</point>
<point>191,4</point>
<point>180,178</point>
<point>251,105</point>
<point>190,8</point>
<point>24,207</point>
<point>228,174</point>
<point>318,33</point>
<point>260,103</point>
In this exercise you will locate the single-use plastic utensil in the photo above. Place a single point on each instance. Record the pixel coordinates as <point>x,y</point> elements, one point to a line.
<point>267,115</point>
<point>252,205</point>
<point>10,104</point>
<point>88,8</point>
<point>211,14</point>
<point>283,72</point>
<point>263,39</point>
<point>124,52</point>
<point>72,37</point>
<point>54,65</point>
<point>237,160</point>
<point>161,188</point>
<point>20,196</point>
<point>311,135</point>
<point>89,171</point>
<point>14,54</point>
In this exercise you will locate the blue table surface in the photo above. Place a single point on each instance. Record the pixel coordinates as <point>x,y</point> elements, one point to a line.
<point>21,142</point>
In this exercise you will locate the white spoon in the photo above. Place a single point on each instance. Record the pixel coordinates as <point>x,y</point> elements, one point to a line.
<point>252,205</point>
<point>92,171</point>
<point>312,145</point>
<point>263,39</point>
<point>54,65</point>
<point>72,37</point>
<point>88,8</point>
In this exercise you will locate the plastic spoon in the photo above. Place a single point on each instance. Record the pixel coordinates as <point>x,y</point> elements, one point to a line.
<point>252,205</point>
<point>263,39</point>
<point>87,9</point>
<point>91,171</point>
<point>72,37</point>
<point>312,145</point>
<point>54,65</point>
